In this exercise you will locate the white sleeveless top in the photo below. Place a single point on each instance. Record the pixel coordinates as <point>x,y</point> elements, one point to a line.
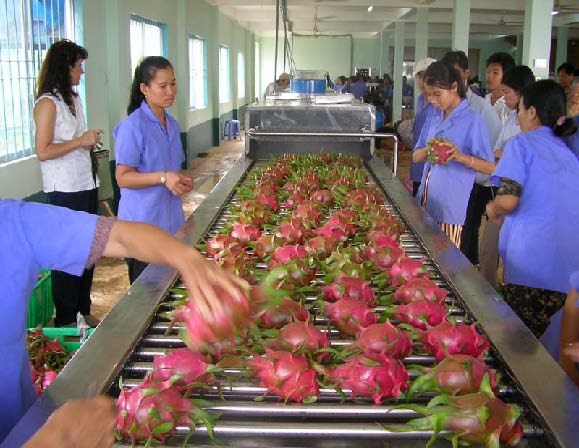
<point>72,171</point>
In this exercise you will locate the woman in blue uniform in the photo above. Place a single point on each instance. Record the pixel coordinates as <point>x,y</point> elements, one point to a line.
<point>537,198</point>
<point>445,190</point>
<point>70,241</point>
<point>149,154</point>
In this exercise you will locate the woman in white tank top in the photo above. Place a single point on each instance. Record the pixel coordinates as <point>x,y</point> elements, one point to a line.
<point>64,145</point>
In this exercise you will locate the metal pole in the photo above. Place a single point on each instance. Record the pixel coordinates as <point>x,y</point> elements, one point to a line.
<point>276,39</point>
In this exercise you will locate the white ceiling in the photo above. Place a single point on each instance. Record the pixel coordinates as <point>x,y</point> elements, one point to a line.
<point>489,18</point>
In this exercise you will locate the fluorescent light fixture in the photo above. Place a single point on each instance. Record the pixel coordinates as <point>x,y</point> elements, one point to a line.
<point>540,63</point>
<point>370,8</point>
<point>554,12</point>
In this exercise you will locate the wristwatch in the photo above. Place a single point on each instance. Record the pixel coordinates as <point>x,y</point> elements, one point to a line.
<point>164,178</point>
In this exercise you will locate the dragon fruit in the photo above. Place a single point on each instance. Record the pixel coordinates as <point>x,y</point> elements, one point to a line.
<point>222,243</point>
<point>350,288</point>
<point>285,254</point>
<point>307,213</point>
<point>268,201</point>
<point>302,336</point>
<point>265,246</point>
<point>294,200</point>
<point>221,323</point>
<point>405,269</point>
<point>296,273</point>
<point>437,150</point>
<point>292,232</point>
<point>384,338</point>
<point>421,314</point>
<point>320,247</point>
<point>183,367</point>
<point>153,410</point>
<point>478,418</point>
<point>323,197</point>
<point>448,339</point>
<point>388,226</point>
<point>49,377</point>
<point>280,313</point>
<point>419,289</point>
<point>373,376</point>
<point>350,316</point>
<point>454,375</point>
<point>245,232</point>
<point>332,232</point>
<point>287,375</point>
<point>384,252</point>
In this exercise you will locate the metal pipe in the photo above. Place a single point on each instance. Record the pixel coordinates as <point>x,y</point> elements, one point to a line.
<point>276,39</point>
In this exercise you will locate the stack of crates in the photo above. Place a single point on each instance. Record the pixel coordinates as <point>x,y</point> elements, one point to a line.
<point>41,307</point>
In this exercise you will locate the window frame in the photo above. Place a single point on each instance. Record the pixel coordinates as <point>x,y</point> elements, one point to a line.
<point>241,90</point>
<point>142,21</point>
<point>192,38</point>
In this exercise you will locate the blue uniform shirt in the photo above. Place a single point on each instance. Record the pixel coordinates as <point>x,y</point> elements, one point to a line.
<point>538,241</point>
<point>33,236</point>
<point>142,143</point>
<point>450,186</point>
<point>573,140</point>
<point>358,89</point>
<point>422,112</point>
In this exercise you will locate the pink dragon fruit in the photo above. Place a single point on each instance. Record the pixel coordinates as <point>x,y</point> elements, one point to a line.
<point>294,200</point>
<point>454,375</point>
<point>307,213</point>
<point>419,289</point>
<point>296,273</point>
<point>405,269</point>
<point>245,233</point>
<point>350,316</point>
<point>384,338</point>
<point>287,375</point>
<point>292,232</point>
<point>332,232</point>
<point>323,197</point>
<point>321,247</point>
<point>269,201</point>
<point>302,336</point>
<point>384,251</point>
<point>285,254</point>
<point>421,314</point>
<point>183,367</point>
<point>373,376</point>
<point>460,339</point>
<point>222,242</point>
<point>49,377</point>
<point>218,325</point>
<point>350,288</point>
<point>153,410</point>
<point>279,314</point>
<point>265,246</point>
<point>437,150</point>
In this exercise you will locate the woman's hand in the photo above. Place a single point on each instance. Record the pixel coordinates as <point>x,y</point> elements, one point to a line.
<point>454,154</point>
<point>79,424</point>
<point>90,138</point>
<point>202,277</point>
<point>178,183</point>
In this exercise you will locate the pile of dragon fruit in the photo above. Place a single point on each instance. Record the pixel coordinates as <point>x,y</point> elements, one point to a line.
<point>47,358</point>
<point>312,236</point>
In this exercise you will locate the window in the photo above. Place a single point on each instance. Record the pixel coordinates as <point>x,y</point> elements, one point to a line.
<point>146,39</point>
<point>224,81</point>
<point>240,75</point>
<point>197,73</point>
<point>27,31</point>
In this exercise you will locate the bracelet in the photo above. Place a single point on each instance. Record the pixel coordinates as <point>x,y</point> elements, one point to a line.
<point>471,161</point>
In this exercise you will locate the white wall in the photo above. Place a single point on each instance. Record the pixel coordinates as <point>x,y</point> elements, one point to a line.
<point>108,72</point>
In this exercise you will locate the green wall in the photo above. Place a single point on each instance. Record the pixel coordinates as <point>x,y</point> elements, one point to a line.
<point>105,28</point>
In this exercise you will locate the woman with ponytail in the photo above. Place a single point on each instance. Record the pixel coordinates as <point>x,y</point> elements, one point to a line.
<point>537,200</point>
<point>149,154</point>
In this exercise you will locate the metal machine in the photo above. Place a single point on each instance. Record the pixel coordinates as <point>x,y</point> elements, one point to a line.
<point>134,331</point>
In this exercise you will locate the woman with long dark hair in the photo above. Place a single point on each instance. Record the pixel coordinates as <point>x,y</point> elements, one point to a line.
<point>149,154</point>
<point>64,147</point>
<point>445,189</point>
<point>537,199</point>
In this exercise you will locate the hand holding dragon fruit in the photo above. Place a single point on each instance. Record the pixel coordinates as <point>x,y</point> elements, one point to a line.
<point>437,150</point>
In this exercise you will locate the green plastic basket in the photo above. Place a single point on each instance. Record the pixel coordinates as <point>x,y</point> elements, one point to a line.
<point>41,306</point>
<point>68,337</point>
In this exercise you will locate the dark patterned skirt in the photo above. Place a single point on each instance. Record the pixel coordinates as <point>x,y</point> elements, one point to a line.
<point>534,306</point>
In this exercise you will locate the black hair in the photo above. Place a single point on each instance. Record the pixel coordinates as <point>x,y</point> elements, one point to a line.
<point>443,76</point>
<point>567,67</point>
<point>144,74</point>
<point>55,71</point>
<point>519,77</point>
<point>456,58</point>
<point>549,100</point>
<point>342,79</point>
<point>505,60</point>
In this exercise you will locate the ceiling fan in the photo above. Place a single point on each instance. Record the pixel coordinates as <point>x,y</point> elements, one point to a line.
<point>503,22</point>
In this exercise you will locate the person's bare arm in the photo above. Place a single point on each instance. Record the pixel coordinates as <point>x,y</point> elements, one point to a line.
<point>78,424</point>
<point>570,337</point>
<point>45,119</point>
<point>477,164</point>
<point>419,155</point>
<point>130,177</point>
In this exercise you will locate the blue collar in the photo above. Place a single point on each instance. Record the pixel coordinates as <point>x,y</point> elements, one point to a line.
<point>149,113</point>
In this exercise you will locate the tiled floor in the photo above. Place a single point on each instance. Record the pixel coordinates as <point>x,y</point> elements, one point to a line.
<point>111,279</point>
